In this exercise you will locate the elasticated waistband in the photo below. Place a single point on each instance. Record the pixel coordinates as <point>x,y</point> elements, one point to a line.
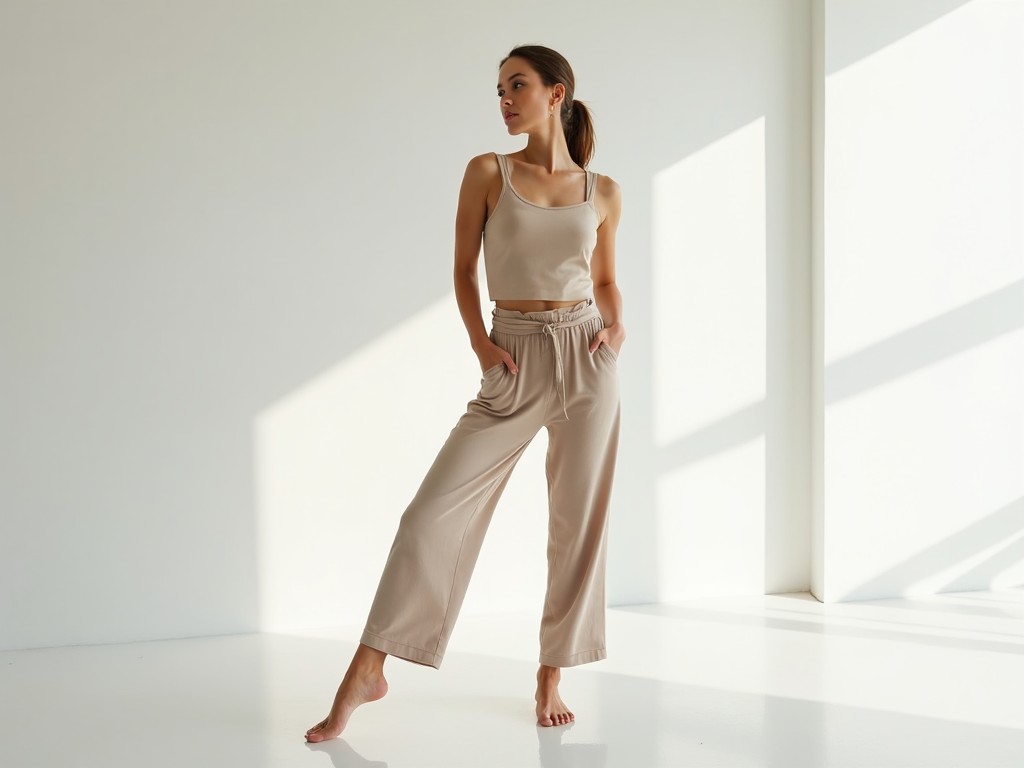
<point>525,323</point>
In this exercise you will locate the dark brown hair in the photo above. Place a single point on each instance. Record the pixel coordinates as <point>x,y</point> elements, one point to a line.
<point>577,122</point>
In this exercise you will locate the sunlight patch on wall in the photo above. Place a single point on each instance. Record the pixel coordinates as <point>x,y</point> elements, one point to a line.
<point>709,284</point>
<point>709,304</point>
<point>924,460</point>
<point>925,176</point>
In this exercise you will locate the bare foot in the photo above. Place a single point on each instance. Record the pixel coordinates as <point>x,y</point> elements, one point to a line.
<point>551,710</point>
<point>363,682</point>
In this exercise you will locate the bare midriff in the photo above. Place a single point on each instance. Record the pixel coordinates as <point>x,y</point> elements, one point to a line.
<point>532,305</point>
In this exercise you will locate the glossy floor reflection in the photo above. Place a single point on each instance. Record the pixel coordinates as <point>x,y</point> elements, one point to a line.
<point>779,680</point>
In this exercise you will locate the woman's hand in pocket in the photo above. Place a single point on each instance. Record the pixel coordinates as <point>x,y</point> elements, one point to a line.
<point>492,355</point>
<point>612,335</point>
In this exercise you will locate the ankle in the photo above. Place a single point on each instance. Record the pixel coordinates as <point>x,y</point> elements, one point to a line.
<point>548,674</point>
<point>368,661</point>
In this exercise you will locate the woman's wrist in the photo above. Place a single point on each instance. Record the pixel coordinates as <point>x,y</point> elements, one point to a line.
<point>480,342</point>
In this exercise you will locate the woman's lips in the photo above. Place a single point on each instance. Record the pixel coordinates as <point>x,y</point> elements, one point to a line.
<point>514,114</point>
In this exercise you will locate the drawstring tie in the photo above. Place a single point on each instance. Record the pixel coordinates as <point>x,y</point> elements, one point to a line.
<point>548,322</point>
<point>549,330</point>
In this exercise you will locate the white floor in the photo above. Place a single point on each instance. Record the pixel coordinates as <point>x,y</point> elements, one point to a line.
<point>780,680</point>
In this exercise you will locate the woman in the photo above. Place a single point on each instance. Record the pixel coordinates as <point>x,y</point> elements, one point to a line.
<point>549,361</point>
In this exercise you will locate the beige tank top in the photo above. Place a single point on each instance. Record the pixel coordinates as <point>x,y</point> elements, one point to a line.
<point>537,252</point>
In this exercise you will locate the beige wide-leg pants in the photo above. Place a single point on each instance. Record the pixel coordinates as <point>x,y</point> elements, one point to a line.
<point>561,385</point>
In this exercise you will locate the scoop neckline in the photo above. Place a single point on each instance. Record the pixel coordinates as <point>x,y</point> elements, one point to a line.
<point>547,207</point>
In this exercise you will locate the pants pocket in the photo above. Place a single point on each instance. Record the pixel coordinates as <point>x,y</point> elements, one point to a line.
<point>608,352</point>
<point>492,370</point>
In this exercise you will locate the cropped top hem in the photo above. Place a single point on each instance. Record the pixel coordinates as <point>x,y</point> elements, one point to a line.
<point>539,253</point>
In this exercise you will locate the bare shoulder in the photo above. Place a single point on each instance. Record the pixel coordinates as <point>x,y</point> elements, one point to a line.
<point>608,198</point>
<point>483,166</point>
<point>608,187</point>
<point>479,178</point>
<point>478,184</point>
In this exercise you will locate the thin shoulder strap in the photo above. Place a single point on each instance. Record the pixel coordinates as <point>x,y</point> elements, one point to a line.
<point>503,165</point>
<point>592,180</point>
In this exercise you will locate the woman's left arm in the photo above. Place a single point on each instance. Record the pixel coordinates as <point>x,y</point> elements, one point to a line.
<point>602,269</point>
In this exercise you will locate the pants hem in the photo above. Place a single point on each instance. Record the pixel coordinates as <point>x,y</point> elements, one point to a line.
<point>583,657</point>
<point>401,650</point>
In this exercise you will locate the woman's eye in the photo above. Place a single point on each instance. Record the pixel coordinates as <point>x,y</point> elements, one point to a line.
<point>513,85</point>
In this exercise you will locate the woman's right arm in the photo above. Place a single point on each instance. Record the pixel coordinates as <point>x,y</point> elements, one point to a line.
<point>469,227</point>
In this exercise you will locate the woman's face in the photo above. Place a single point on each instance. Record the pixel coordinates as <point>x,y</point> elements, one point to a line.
<point>521,92</point>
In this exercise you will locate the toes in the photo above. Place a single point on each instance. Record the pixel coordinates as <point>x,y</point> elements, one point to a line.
<point>546,721</point>
<point>318,726</point>
<point>317,733</point>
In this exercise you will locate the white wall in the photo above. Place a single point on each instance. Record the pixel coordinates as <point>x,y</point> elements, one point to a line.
<point>729,341</point>
<point>919,264</point>
<point>229,344</point>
